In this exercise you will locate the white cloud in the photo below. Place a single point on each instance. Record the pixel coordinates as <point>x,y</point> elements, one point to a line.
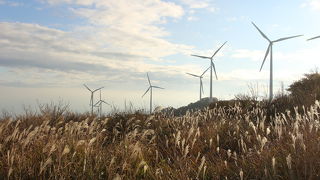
<point>78,2</point>
<point>196,4</point>
<point>192,18</point>
<point>134,28</point>
<point>288,65</point>
<point>254,55</point>
<point>54,57</point>
<point>200,4</point>
<point>313,4</point>
<point>10,3</point>
<point>118,37</point>
<point>308,55</point>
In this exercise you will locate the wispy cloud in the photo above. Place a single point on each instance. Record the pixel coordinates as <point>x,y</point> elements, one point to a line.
<point>308,55</point>
<point>196,4</point>
<point>313,4</point>
<point>10,3</point>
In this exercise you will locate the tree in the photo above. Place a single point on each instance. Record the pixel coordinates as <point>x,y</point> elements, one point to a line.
<point>306,90</point>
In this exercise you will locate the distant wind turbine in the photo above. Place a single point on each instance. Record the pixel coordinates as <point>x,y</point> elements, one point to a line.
<point>99,104</point>
<point>211,66</point>
<point>200,77</point>
<point>91,97</point>
<point>313,38</point>
<point>150,88</point>
<point>269,50</point>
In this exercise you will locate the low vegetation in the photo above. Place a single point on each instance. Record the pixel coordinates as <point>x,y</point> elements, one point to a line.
<point>232,141</point>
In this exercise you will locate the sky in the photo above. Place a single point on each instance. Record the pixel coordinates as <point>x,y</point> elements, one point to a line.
<point>50,48</point>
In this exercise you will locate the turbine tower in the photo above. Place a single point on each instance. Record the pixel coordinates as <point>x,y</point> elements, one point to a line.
<point>150,88</point>
<point>91,98</point>
<point>269,50</point>
<point>200,77</point>
<point>313,38</point>
<point>211,66</point>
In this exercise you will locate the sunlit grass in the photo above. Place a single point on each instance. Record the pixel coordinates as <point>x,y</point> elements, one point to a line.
<point>218,143</point>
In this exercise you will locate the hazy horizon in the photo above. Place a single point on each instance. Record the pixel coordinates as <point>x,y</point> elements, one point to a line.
<point>50,48</point>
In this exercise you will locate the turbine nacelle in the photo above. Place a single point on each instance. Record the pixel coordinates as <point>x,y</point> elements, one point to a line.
<point>269,49</point>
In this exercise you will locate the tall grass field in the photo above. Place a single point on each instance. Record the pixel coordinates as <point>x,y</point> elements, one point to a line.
<point>232,141</point>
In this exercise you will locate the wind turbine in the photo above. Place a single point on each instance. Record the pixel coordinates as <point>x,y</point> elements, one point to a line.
<point>269,50</point>
<point>313,38</point>
<point>91,98</point>
<point>200,77</point>
<point>150,88</point>
<point>211,66</point>
<point>99,105</point>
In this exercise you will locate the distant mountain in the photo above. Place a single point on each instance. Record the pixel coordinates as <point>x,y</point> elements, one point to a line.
<point>204,102</point>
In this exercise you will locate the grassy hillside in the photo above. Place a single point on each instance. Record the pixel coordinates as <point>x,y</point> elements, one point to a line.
<point>209,144</point>
<point>233,140</point>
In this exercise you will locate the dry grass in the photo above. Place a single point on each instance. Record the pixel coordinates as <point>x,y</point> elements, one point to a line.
<point>217,143</point>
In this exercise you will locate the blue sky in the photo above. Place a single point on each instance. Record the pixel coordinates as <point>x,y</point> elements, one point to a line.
<point>49,48</point>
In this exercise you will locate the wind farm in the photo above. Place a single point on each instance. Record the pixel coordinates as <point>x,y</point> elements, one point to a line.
<point>173,86</point>
<point>99,104</point>
<point>212,66</point>
<point>91,96</point>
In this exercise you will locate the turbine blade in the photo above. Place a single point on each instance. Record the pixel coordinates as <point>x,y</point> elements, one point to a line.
<point>313,38</point>
<point>205,72</point>
<point>214,68</point>
<point>204,57</point>
<point>282,39</point>
<point>98,89</point>
<point>157,87</point>
<point>87,87</point>
<point>105,102</point>
<point>96,103</point>
<point>148,79</point>
<point>218,49</point>
<point>193,75</point>
<point>261,32</point>
<point>265,56</point>
<point>146,91</point>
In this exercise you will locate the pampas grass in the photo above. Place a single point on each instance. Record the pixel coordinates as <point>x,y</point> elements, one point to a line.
<point>214,143</point>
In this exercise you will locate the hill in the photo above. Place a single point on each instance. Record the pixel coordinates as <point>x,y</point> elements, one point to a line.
<point>201,104</point>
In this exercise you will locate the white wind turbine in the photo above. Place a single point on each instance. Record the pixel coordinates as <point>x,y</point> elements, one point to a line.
<point>91,97</point>
<point>269,50</point>
<point>211,66</point>
<point>150,88</point>
<point>99,105</point>
<point>200,77</point>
